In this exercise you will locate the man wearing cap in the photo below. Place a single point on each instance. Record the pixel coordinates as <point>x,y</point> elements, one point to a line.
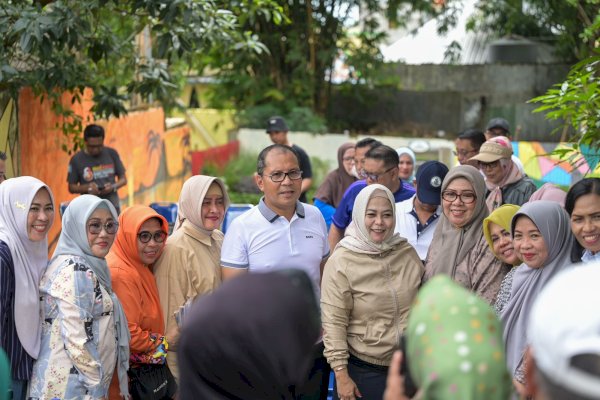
<point>563,360</point>
<point>417,217</point>
<point>505,183</point>
<point>278,130</point>
<point>500,127</point>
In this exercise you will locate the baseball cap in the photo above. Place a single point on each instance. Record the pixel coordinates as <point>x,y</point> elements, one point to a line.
<point>498,123</point>
<point>277,124</point>
<point>494,149</point>
<point>564,326</point>
<point>429,178</point>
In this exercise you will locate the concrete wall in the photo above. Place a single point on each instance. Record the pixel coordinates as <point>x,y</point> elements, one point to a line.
<point>450,98</point>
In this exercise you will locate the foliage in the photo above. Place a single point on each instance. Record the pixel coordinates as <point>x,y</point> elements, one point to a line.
<point>68,45</point>
<point>298,119</point>
<point>297,71</point>
<point>576,102</point>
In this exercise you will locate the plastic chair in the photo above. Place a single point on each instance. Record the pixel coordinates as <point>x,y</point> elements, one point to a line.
<point>234,211</point>
<point>168,210</point>
<point>63,207</point>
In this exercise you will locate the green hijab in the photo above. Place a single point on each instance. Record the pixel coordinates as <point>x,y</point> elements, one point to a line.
<point>454,345</point>
<point>501,216</point>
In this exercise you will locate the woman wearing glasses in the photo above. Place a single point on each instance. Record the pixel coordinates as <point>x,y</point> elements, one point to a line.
<point>190,265</point>
<point>459,248</point>
<point>84,330</point>
<point>139,243</point>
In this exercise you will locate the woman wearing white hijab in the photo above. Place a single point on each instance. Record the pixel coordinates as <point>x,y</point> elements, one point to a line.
<point>84,332</point>
<point>190,264</point>
<point>26,215</point>
<point>368,285</point>
<point>542,239</point>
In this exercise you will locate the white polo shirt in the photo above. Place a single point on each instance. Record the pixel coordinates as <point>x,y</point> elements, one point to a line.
<point>406,226</point>
<point>261,240</point>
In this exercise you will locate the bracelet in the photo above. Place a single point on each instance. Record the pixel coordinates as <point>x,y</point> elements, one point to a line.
<point>89,189</point>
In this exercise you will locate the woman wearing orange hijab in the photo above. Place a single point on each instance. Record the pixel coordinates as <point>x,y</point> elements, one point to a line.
<point>139,242</point>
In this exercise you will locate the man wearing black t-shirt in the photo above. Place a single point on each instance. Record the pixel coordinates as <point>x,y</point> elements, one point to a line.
<point>277,130</point>
<point>94,169</point>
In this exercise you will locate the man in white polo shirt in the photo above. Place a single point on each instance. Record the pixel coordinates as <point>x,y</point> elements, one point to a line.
<point>417,217</point>
<point>281,233</point>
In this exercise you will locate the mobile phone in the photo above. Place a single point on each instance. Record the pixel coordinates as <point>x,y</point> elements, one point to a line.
<point>410,389</point>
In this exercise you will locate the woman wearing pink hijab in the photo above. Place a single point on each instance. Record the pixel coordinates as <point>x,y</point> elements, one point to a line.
<point>26,215</point>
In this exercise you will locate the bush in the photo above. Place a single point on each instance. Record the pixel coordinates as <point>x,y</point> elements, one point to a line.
<point>300,119</point>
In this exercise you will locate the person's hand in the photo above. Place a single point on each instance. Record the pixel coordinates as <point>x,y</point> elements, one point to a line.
<point>172,334</point>
<point>107,189</point>
<point>394,387</point>
<point>93,189</point>
<point>346,388</point>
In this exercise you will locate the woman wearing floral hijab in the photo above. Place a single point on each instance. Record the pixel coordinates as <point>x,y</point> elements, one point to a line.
<point>368,286</point>
<point>26,215</point>
<point>190,263</point>
<point>84,332</point>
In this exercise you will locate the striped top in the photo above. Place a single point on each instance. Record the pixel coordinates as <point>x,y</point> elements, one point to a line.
<point>21,363</point>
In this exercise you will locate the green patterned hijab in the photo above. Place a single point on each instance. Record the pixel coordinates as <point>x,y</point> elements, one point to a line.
<point>454,345</point>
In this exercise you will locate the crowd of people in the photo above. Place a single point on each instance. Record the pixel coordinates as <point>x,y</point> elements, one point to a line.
<point>405,280</point>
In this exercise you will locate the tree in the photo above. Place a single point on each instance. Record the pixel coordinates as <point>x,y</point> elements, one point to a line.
<point>297,71</point>
<point>122,49</point>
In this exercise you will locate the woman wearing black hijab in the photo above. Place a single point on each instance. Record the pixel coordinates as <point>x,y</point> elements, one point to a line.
<point>251,339</point>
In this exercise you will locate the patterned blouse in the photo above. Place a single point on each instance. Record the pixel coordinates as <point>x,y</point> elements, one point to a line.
<point>79,346</point>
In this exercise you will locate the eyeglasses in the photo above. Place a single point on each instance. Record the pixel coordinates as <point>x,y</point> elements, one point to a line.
<point>463,153</point>
<point>465,197</point>
<point>346,159</point>
<point>294,174</point>
<point>492,165</point>
<point>145,236</point>
<point>373,177</point>
<point>96,227</point>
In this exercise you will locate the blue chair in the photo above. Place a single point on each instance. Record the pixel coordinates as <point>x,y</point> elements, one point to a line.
<point>168,210</point>
<point>234,211</point>
<point>63,207</point>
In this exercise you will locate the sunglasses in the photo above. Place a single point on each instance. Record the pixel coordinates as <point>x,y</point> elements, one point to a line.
<point>96,227</point>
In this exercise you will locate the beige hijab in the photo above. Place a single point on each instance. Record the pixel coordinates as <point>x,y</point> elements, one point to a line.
<point>357,237</point>
<point>453,244</point>
<point>190,201</point>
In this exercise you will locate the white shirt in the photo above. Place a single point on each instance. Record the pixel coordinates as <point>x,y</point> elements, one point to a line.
<point>406,226</point>
<point>260,240</point>
<point>588,257</point>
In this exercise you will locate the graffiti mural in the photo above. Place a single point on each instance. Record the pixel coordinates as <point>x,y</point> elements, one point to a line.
<point>543,168</point>
<point>157,160</point>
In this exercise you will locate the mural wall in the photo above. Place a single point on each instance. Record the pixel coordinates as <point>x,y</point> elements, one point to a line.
<point>543,168</point>
<point>157,160</point>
